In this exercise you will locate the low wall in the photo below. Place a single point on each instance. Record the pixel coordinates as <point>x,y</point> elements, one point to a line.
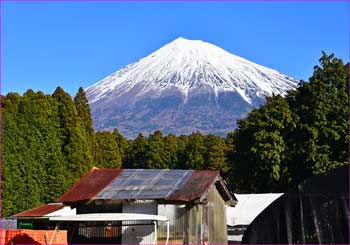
<point>24,236</point>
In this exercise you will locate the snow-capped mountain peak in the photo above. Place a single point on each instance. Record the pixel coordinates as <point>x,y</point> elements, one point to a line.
<point>188,68</point>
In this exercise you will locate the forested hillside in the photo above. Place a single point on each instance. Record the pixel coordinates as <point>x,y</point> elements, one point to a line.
<point>48,142</point>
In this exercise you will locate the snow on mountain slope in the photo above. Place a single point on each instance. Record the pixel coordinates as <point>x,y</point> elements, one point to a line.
<point>185,78</point>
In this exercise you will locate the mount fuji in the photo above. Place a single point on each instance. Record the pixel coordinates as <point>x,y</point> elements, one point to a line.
<point>185,86</point>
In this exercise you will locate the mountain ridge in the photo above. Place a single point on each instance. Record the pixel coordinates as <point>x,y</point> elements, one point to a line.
<point>181,78</point>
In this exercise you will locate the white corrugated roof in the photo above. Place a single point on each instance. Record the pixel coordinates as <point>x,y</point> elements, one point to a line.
<point>110,217</point>
<point>248,207</point>
<point>65,211</point>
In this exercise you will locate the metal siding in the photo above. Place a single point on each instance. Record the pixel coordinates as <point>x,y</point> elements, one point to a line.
<point>178,224</point>
<point>205,224</point>
<point>138,232</point>
<point>194,224</point>
<point>216,218</point>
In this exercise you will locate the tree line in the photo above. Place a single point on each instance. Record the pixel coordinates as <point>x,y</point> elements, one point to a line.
<point>48,142</point>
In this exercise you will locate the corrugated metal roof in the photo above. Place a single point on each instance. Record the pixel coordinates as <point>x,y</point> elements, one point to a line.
<point>196,185</point>
<point>142,184</point>
<point>40,211</point>
<point>145,184</point>
<point>90,185</point>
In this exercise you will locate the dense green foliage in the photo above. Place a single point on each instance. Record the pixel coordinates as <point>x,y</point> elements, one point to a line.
<point>49,142</point>
<point>290,139</point>
<point>106,150</point>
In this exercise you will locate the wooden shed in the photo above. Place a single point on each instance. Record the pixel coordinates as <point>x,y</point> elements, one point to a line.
<point>193,201</point>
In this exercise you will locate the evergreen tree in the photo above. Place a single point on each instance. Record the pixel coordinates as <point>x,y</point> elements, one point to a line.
<point>51,157</point>
<point>170,151</point>
<point>13,185</point>
<point>109,156</point>
<point>123,144</point>
<point>83,109</point>
<point>319,140</point>
<point>230,160</point>
<point>288,140</point>
<point>260,149</point>
<point>76,145</point>
<point>32,152</point>
<point>154,151</point>
<point>216,154</point>
<point>135,158</point>
<point>195,151</point>
<point>182,156</point>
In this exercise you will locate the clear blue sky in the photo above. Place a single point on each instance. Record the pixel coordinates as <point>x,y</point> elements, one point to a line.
<point>73,44</point>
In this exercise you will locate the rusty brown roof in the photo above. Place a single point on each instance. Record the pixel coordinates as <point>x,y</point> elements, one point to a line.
<point>162,184</point>
<point>90,185</point>
<point>40,211</point>
<point>196,185</point>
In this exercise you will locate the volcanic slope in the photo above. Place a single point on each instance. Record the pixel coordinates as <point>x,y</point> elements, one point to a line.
<point>185,86</point>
